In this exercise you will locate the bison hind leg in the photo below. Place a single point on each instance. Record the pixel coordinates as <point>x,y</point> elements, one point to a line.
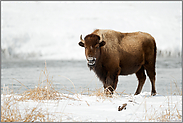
<point>141,79</point>
<point>151,73</point>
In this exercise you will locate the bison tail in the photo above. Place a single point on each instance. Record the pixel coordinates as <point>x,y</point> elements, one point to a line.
<point>155,51</point>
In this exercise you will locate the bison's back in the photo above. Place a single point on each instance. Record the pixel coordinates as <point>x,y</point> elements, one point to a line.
<point>114,38</point>
<point>130,43</point>
<point>129,50</point>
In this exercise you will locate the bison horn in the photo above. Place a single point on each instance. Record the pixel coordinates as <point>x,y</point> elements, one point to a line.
<point>81,39</point>
<point>102,37</point>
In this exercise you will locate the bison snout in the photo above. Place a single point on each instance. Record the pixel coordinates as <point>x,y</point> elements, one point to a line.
<point>91,61</point>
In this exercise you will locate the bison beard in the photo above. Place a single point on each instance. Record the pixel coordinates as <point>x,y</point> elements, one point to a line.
<point>110,54</point>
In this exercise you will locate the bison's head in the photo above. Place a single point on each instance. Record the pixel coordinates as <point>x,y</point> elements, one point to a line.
<point>92,45</point>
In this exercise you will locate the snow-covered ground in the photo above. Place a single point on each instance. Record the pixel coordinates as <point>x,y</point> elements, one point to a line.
<point>82,108</point>
<point>51,30</point>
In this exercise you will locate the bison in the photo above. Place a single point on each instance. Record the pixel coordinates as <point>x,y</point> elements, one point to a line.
<point>111,53</point>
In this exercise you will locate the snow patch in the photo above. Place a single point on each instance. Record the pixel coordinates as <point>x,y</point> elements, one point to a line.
<point>142,107</point>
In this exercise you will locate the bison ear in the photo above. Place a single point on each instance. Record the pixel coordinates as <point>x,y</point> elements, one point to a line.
<point>81,44</point>
<point>102,43</point>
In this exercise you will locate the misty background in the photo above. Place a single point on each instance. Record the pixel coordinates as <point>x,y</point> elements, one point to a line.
<point>51,30</point>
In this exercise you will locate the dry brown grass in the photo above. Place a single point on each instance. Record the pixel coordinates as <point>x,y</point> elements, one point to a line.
<point>98,92</point>
<point>10,112</point>
<point>177,91</point>
<point>169,114</point>
<point>44,91</point>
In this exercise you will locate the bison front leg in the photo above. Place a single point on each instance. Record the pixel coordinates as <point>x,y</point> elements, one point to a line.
<point>109,86</point>
<point>111,83</point>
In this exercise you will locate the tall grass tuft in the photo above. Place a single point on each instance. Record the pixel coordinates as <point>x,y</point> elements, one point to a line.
<point>10,112</point>
<point>44,91</point>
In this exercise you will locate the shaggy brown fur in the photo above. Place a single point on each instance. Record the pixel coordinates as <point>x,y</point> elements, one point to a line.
<point>111,53</point>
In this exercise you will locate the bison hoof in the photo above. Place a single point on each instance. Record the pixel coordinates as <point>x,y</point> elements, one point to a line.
<point>153,94</point>
<point>136,93</point>
<point>108,94</point>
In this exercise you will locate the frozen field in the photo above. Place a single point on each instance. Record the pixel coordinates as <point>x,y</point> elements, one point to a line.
<point>84,108</point>
<point>35,32</point>
<point>82,98</point>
